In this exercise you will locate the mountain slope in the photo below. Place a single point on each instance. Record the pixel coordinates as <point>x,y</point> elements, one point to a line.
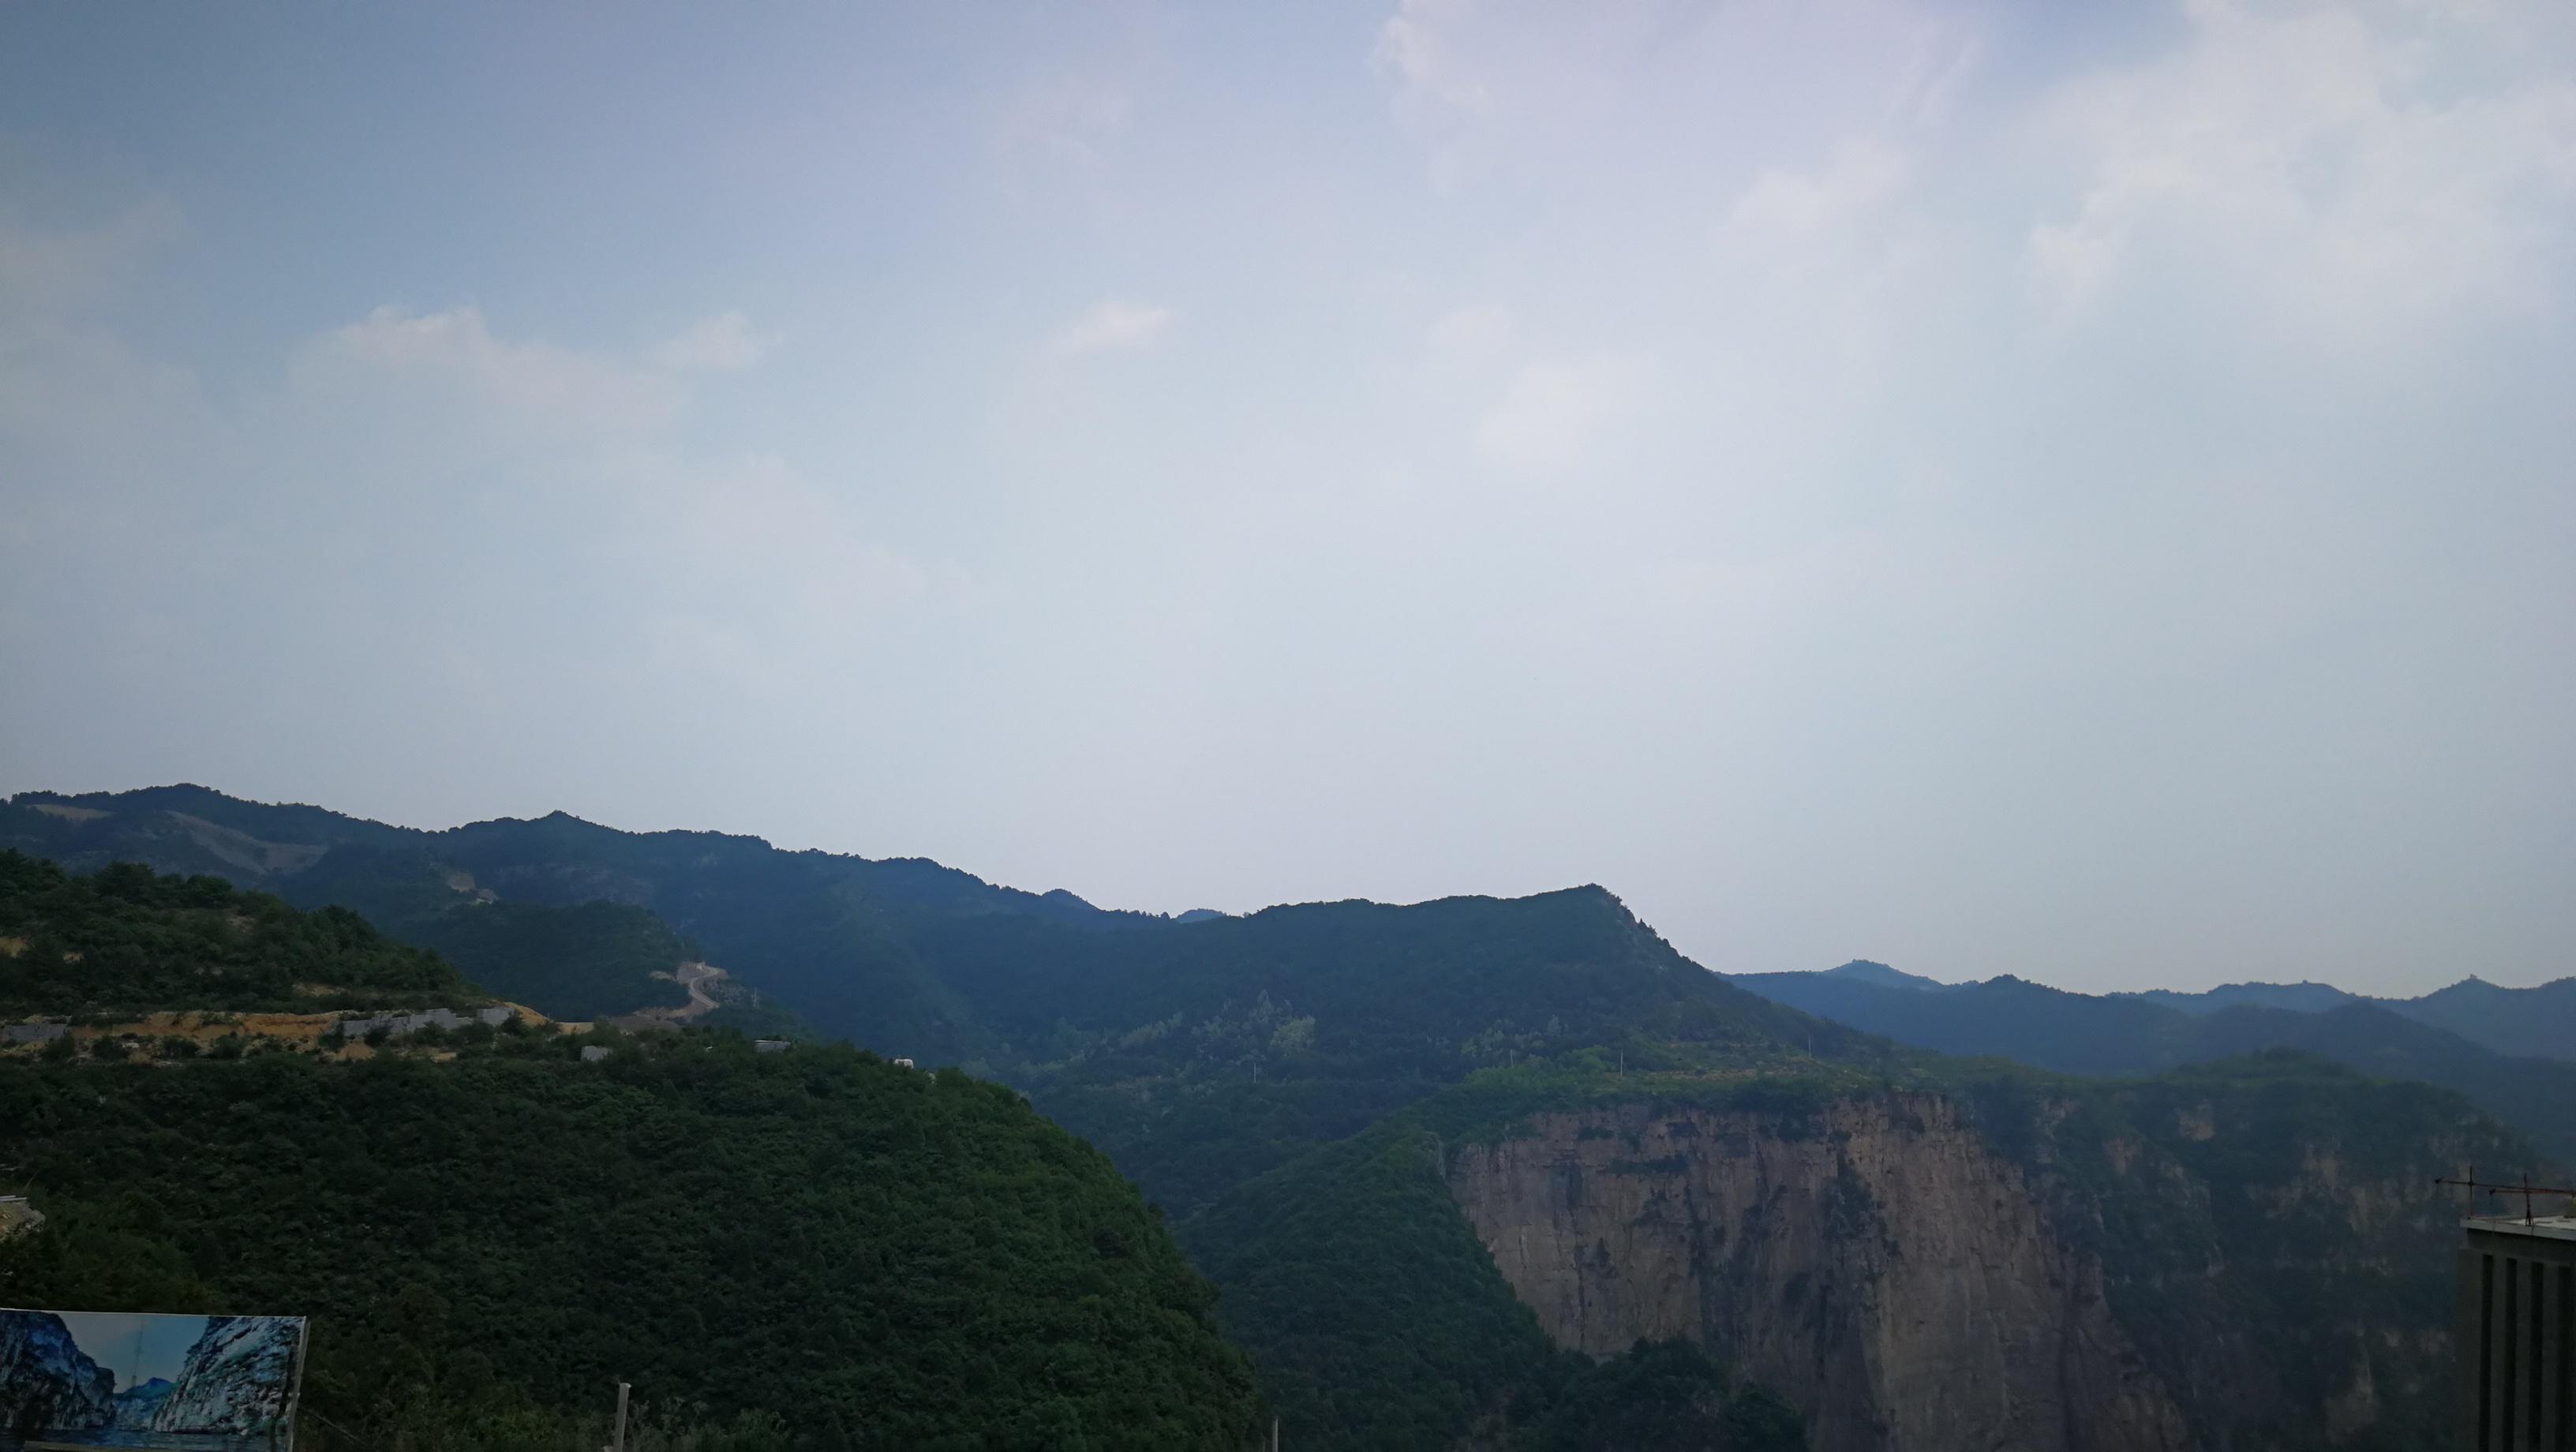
<point>2516,1021</point>
<point>825,935</point>
<point>895,1258</point>
<point>2126,1035</point>
<point>817,1245</point>
<point>1294,1087</point>
<point>1199,1053</point>
<point>126,939</point>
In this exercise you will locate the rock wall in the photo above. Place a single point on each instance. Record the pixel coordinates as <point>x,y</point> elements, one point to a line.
<point>1876,1263</point>
<point>46,1380</point>
<point>235,1379</point>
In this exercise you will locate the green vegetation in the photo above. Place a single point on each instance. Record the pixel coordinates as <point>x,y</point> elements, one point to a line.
<point>1201,1054</point>
<point>2123,1035</point>
<point>592,961</point>
<point>126,940</point>
<point>1282,1084</point>
<point>1379,1321</point>
<point>872,1256</point>
<point>2265,1225</point>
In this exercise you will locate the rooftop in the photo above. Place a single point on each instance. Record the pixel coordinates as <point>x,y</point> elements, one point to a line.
<point>2545,1227</point>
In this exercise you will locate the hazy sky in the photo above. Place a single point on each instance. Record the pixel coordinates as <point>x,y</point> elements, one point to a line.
<point>2077,490</point>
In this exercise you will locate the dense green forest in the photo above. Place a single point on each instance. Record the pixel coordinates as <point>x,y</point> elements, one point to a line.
<point>592,961</point>
<point>1420,1339</point>
<point>1202,1054</point>
<point>125,940</point>
<point>871,1256</point>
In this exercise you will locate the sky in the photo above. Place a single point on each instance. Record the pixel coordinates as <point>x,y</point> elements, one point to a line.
<point>138,1348</point>
<point>2079,491</point>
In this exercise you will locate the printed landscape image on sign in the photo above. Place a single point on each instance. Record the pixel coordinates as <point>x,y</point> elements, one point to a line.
<point>115,1379</point>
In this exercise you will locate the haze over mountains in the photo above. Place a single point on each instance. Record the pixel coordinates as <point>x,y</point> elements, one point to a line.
<point>2536,1021</point>
<point>1439,1159</point>
<point>2149,1033</point>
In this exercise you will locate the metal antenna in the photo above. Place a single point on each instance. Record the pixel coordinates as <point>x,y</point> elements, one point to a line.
<point>2527,1190</point>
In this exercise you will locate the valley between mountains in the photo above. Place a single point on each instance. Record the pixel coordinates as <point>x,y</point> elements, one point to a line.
<point>1474,1173</point>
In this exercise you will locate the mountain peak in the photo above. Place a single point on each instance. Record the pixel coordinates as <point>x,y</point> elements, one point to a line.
<point>1864,970</point>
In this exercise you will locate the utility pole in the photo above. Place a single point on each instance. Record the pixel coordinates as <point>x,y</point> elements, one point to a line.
<point>620,1444</point>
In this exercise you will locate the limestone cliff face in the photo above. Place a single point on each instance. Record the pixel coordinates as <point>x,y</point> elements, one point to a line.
<point>1876,1263</point>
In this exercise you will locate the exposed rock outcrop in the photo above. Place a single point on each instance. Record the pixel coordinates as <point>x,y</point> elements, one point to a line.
<point>46,1380</point>
<point>235,1379</point>
<point>1876,1263</point>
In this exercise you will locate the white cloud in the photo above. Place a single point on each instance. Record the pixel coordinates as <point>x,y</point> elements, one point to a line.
<point>1115,324</point>
<point>1420,45</point>
<point>725,342</point>
<point>2363,168</point>
<point>453,358</point>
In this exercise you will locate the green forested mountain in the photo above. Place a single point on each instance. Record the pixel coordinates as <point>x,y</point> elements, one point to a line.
<point>127,940</point>
<point>822,935</point>
<point>814,1248</point>
<point>870,1256</point>
<point>1295,1088</point>
<point>2132,1035</point>
<point>1198,1053</point>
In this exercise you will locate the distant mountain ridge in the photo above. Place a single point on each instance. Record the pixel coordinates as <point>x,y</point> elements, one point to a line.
<point>2538,1022</point>
<point>2135,1035</point>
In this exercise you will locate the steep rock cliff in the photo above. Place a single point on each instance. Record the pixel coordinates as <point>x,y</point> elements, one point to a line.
<point>1877,1263</point>
<point>235,1379</point>
<point>46,1380</point>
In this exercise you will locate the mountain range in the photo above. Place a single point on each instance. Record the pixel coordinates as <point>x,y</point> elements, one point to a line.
<point>2149,1033</point>
<point>2537,1022</point>
<point>1484,1172</point>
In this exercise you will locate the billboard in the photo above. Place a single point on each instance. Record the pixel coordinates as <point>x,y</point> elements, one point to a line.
<point>120,1379</point>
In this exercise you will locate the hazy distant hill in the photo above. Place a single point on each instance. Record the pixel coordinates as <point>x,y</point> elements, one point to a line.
<point>2297,997</point>
<point>2517,1022</point>
<point>2135,1034</point>
<point>2529,1022</point>
<point>1862,970</point>
<point>2538,1020</point>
